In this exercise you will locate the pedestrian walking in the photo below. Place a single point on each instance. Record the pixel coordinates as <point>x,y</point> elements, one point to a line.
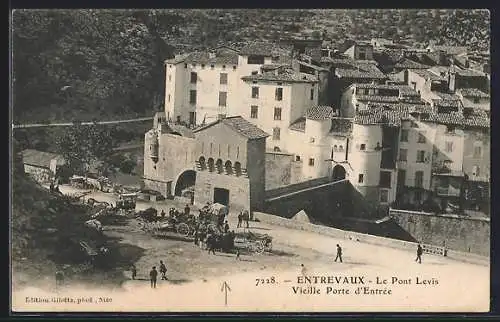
<point>303,270</point>
<point>420,251</point>
<point>238,254</point>
<point>211,244</point>
<point>246,217</point>
<point>339,253</point>
<point>162,214</point>
<point>226,227</point>
<point>153,274</point>
<point>59,278</point>
<point>133,269</point>
<point>196,237</point>
<point>240,220</point>
<point>163,271</point>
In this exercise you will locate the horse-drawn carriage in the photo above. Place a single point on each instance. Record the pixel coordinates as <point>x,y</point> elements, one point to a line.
<point>254,242</point>
<point>161,226</point>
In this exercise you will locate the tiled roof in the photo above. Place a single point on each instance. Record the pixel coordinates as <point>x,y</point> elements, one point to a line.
<point>452,50</point>
<point>341,126</point>
<point>377,98</point>
<point>312,66</point>
<point>319,113</point>
<point>427,74</point>
<point>40,158</point>
<point>360,70</point>
<point>283,75</point>
<point>473,92</point>
<point>468,72</point>
<point>380,115</point>
<point>182,130</point>
<point>406,63</point>
<point>447,103</point>
<point>198,57</point>
<point>299,124</point>
<point>261,49</point>
<point>239,125</point>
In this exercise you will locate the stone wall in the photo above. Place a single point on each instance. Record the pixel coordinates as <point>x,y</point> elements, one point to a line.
<point>296,187</point>
<point>256,168</point>
<point>363,238</point>
<point>164,187</point>
<point>278,170</point>
<point>41,175</point>
<point>239,189</point>
<point>463,234</point>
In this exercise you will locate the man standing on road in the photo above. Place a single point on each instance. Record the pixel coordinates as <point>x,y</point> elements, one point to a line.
<point>339,253</point>
<point>226,227</point>
<point>419,254</point>
<point>162,214</point>
<point>240,220</point>
<point>153,274</point>
<point>163,271</point>
<point>133,269</point>
<point>187,210</point>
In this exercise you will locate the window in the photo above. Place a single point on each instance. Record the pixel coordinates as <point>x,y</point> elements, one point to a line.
<point>223,78</point>
<point>475,170</point>
<point>449,147</point>
<point>335,148</point>
<point>278,94</point>
<point>194,78</point>
<point>312,94</point>
<point>222,98</point>
<point>192,96</point>
<point>341,148</point>
<point>255,72</point>
<point>419,179</point>
<point>185,65</point>
<point>212,66</point>
<point>401,178</point>
<point>311,140</point>
<point>421,138</point>
<point>403,154</point>
<point>404,136</point>
<point>362,146</point>
<point>169,97</point>
<point>420,156</point>
<point>254,112</point>
<point>202,65</point>
<point>311,162</point>
<point>255,60</point>
<point>297,158</point>
<point>277,113</point>
<point>255,92</point>
<point>223,66</point>
<point>234,67</point>
<point>169,78</point>
<point>361,178</point>
<point>385,179</point>
<point>276,133</point>
<point>384,195</point>
<point>477,151</point>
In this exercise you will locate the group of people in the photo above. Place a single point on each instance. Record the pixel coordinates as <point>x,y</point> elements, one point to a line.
<point>153,274</point>
<point>243,216</point>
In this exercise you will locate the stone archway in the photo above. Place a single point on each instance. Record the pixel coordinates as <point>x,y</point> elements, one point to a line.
<point>338,173</point>
<point>186,179</point>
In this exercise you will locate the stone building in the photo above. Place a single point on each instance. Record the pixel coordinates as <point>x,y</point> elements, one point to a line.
<point>42,166</point>
<point>223,162</point>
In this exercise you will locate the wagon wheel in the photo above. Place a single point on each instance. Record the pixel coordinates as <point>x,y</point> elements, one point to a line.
<point>269,246</point>
<point>212,228</point>
<point>259,247</point>
<point>183,229</point>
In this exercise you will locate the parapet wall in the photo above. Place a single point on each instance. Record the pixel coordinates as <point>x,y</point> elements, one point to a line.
<point>459,233</point>
<point>296,187</point>
<point>364,238</point>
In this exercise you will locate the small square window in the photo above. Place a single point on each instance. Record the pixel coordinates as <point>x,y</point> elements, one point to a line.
<point>212,66</point>
<point>297,158</point>
<point>384,195</point>
<point>361,178</point>
<point>311,162</point>
<point>362,147</point>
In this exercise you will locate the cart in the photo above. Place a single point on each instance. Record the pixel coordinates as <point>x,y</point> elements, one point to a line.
<point>255,242</point>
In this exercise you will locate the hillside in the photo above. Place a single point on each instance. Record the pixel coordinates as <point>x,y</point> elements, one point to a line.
<point>107,64</point>
<point>46,230</point>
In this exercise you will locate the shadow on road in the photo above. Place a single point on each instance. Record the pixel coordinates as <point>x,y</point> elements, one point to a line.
<point>281,253</point>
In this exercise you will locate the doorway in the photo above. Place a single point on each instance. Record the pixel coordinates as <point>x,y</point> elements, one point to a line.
<point>221,196</point>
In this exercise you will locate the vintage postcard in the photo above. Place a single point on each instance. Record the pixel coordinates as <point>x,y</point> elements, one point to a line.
<point>217,160</point>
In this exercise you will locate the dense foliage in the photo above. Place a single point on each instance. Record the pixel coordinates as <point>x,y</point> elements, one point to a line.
<point>96,64</point>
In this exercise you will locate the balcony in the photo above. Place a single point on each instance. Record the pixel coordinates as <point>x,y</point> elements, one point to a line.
<point>448,191</point>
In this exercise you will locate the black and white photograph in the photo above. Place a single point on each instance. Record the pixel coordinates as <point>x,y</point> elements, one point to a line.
<point>250,160</point>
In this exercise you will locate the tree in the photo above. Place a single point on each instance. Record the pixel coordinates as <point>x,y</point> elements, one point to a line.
<point>81,146</point>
